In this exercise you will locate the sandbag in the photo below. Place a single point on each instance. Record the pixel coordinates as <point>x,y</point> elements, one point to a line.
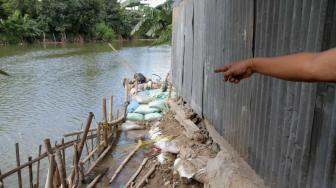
<point>128,125</point>
<point>142,99</point>
<point>135,117</point>
<point>167,146</point>
<point>159,104</point>
<point>153,116</point>
<point>145,109</point>
<point>132,106</point>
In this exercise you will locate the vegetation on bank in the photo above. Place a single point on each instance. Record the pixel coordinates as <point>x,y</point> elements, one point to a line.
<point>26,21</point>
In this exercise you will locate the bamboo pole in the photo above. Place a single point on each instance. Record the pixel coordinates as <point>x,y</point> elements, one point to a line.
<point>96,179</point>
<point>111,109</point>
<point>63,153</point>
<point>98,135</point>
<point>81,172</point>
<point>86,130</point>
<point>98,160</point>
<point>126,89</point>
<point>60,167</point>
<point>52,164</point>
<point>1,181</point>
<point>125,161</point>
<point>143,180</point>
<point>104,121</point>
<point>17,151</point>
<point>74,175</point>
<point>91,142</point>
<point>78,132</point>
<point>136,173</point>
<point>90,155</point>
<point>38,168</point>
<point>31,178</point>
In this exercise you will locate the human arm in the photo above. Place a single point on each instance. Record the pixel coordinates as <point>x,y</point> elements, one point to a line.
<point>306,66</point>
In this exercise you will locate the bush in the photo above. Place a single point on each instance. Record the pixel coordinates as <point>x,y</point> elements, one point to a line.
<point>103,32</point>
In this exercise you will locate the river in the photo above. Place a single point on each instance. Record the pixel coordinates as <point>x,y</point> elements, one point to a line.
<point>52,88</point>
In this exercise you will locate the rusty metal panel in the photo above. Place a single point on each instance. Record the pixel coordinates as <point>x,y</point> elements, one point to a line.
<point>285,130</point>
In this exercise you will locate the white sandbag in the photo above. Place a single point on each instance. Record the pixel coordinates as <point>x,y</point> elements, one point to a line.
<point>135,117</point>
<point>145,109</point>
<point>128,125</point>
<point>142,99</point>
<point>167,146</point>
<point>184,168</point>
<point>159,104</point>
<point>154,132</point>
<point>152,116</point>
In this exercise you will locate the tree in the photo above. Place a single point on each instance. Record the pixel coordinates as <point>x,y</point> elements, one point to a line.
<point>156,22</point>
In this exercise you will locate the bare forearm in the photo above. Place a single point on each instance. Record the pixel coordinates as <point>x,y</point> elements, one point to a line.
<point>302,66</point>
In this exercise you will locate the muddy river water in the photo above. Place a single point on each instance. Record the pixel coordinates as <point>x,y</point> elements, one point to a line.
<point>52,88</point>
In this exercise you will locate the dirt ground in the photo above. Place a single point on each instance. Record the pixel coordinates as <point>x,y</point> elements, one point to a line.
<point>164,174</point>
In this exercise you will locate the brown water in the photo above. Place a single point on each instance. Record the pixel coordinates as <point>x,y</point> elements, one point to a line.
<point>51,89</point>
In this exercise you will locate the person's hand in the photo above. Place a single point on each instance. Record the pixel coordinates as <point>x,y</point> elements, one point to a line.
<point>234,72</point>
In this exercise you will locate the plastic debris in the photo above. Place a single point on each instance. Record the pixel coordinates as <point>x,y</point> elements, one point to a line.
<point>135,117</point>
<point>167,146</point>
<point>128,125</point>
<point>153,116</point>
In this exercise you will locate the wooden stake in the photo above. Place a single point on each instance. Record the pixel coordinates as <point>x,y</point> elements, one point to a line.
<point>60,167</point>
<point>136,173</point>
<point>98,160</point>
<point>38,168</point>
<point>90,155</point>
<point>81,172</point>
<point>31,183</point>
<point>111,109</point>
<point>104,121</point>
<point>17,150</point>
<point>1,181</point>
<point>96,179</point>
<point>125,161</point>
<point>52,164</point>
<point>98,135</point>
<point>63,154</point>
<point>143,180</point>
<point>86,130</point>
<point>126,89</point>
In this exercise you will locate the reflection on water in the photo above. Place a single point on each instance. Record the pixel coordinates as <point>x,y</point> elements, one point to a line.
<point>51,90</point>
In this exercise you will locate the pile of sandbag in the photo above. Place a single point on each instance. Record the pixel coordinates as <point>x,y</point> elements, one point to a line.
<point>148,101</point>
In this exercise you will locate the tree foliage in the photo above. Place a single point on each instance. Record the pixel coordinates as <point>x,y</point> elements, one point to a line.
<point>156,23</point>
<point>67,20</point>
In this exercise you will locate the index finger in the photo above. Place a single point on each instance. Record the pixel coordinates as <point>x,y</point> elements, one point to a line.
<point>221,69</point>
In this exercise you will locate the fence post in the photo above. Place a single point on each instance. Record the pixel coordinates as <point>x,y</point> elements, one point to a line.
<point>17,151</point>
<point>111,109</point>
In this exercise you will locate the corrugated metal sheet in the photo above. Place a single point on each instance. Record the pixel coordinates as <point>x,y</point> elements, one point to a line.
<point>285,130</point>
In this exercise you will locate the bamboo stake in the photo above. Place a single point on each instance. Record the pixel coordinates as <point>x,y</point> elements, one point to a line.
<point>125,161</point>
<point>63,154</point>
<point>38,168</point>
<point>143,180</point>
<point>78,132</point>
<point>98,135</point>
<point>90,155</point>
<point>30,173</point>
<point>104,121</point>
<point>75,176</point>
<point>136,173</point>
<point>43,155</point>
<point>96,179</point>
<point>1,181</point>
<point>98,160</point>
<point>111,109</point>
<point>81,172</point>
<point>126,89</point>
<point>56,179</point>
<point>61,168</point>
<point>17,151</point>
<point>91,142</point>
<point>86,130</point>
<point>52,164</point>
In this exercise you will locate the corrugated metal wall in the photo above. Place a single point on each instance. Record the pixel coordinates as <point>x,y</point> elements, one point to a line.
<point>285,130</point>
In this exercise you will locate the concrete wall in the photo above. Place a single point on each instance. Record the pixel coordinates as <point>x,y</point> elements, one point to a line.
<point>285,130</point>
